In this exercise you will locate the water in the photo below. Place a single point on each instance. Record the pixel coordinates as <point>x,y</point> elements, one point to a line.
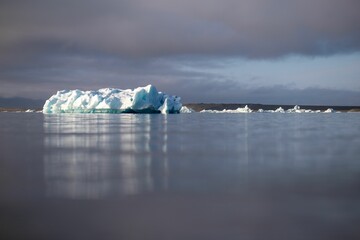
<point>187,176</point>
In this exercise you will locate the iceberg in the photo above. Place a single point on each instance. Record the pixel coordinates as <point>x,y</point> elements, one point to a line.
<point>111,100</point>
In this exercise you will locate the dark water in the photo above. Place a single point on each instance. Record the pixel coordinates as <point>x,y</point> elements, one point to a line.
<point>188,176</point>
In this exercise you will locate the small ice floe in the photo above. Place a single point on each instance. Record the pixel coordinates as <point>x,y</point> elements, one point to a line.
<point>297,109</point>
<point>185,109</point>
<point>280,110</point>
<point>329,110</point>
<point>245,109</point>
<point>30,111</point>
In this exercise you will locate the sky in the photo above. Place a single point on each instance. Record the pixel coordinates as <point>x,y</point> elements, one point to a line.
<point>228,51</point>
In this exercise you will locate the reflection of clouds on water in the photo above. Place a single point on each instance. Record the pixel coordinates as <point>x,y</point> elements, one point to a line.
<point>95,156</point>
<point>98,156</point>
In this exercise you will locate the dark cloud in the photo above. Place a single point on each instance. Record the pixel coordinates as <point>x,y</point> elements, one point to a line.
<point>232,92</point>
<point>48,73</point>
<point>143,28</point>
<point>47,45</point>
<point>42,78</point>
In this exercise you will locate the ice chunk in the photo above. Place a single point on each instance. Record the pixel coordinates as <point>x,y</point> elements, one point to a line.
<point>297,109</point>
<point>245,109</point>
<point>280,110</point>
<point>329,110</point>
<point>185,109</point>
<point>110,100</point>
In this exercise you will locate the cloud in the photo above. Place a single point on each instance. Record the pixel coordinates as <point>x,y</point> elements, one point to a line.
<point>233,92</point>
<point>47,45</point>
<point>44,76</point>
<point>143,28</point>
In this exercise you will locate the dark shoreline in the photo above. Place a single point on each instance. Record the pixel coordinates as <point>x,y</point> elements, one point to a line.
<point>4,109</point>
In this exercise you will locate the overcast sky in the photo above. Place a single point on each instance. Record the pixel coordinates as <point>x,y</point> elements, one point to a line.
<point>259,51</point>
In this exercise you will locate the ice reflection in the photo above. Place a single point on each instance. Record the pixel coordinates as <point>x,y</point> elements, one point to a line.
<point>96,156</point>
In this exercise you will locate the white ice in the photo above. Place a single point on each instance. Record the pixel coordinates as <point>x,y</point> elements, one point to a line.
<point>246,109</point>
<point>329,110</point>
<point>110,100</point>
<point>185,109</point>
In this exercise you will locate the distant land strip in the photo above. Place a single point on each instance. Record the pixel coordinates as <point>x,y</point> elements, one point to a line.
<point>10,109</point>
<point>232,106</point>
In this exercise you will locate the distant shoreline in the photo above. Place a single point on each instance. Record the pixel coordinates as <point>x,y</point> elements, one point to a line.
<point>230,106</point>
<point>5,109</point>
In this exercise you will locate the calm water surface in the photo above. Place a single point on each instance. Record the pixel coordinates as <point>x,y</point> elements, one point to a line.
<point>187,176</point>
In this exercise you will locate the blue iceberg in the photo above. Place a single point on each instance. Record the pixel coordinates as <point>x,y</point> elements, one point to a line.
<point>111,100</point>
